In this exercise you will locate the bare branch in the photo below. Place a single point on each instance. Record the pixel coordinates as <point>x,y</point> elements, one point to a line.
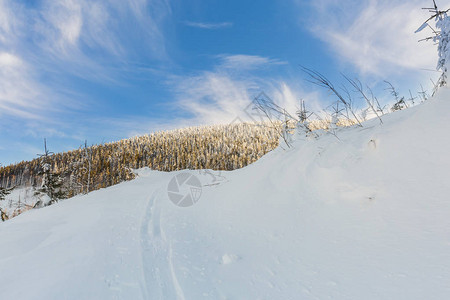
<point>358,86</point>
<point>320,80</point>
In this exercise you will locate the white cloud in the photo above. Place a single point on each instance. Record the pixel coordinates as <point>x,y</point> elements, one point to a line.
<point>377,37</point>
<point>88,39</point>
<point>221,95</point>
<point>18,91</point>
<point>203,25</point>
<point>213,97</point>
<point>86,33</point>
<point>8,60</point>
<point>64,20</point>
<point>246,62</point>
<point>7,21</point>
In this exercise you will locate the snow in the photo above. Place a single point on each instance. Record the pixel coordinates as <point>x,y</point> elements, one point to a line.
<point>360,215</point>
<point>229,259</point>
<point>20,199</point>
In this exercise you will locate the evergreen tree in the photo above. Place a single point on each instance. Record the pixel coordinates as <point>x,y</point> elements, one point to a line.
<point>5,192</point>
<point>441,37</point>
<point>52,182</point>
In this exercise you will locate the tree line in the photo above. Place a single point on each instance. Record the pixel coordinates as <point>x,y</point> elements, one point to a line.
<point>218,147</point>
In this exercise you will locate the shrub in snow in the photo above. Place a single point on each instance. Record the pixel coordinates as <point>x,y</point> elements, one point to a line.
<point>303,124</point>
<point>400,102</point>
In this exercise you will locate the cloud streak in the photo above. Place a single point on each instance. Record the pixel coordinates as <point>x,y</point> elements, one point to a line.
<point>223,94</point>
<point>55,57</point>
<point>203,25</point>
<point>247,62</point>
<point>58,39</point>
<point>92,37</point>
<point>375,36</point>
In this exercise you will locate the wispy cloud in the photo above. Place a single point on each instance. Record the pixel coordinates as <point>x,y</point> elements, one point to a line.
<point>56,39</point>
<point>247,62</point>
<point>375,36</point>
<point>204,25</point>
<point>8,21</point>
<point>53,54</point>
<point>20,94</point>
<point>221,95</point>
<point>95,37</point>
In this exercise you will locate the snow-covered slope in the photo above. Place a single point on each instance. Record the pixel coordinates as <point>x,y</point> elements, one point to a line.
<point>18,201</point>
<point>364,215</point>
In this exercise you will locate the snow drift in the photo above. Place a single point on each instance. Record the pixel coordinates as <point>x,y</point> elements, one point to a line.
<point>364,215</point>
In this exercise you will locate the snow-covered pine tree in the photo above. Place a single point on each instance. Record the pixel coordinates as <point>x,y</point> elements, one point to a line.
<point>443,23</point>
<point>5,192</point>
<point>52,182</point>
<point>442,37</point>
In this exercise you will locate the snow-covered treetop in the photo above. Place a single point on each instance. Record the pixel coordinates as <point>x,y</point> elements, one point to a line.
<point>443,23</point>
<point>441,37</point>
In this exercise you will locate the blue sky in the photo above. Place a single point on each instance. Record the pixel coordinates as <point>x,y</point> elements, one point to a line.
<point>72,70</point>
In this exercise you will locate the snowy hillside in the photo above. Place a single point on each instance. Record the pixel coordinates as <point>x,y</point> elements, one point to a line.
<point>19,201</point>
<point>364,215</point>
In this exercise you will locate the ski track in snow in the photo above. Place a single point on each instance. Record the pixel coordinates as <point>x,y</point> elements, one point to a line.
<point>160,279</point>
